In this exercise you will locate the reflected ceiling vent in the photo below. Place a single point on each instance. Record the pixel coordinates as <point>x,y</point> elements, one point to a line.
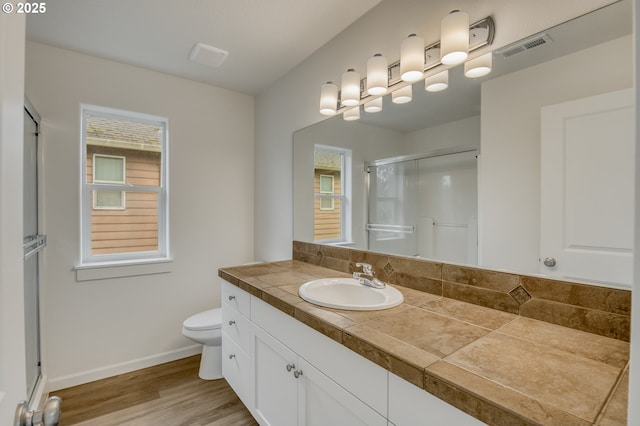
<point>207,55</point>
<point>523,46</point>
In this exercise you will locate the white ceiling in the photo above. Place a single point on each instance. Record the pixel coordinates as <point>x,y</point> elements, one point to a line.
<point>265,38</point>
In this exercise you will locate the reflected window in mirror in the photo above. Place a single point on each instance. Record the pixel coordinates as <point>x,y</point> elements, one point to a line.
<point>327,187</point>
<point>332,190</point>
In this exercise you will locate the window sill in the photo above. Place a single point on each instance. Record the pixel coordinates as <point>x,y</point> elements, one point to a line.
<point>129,268</point>
<point>340,243</point>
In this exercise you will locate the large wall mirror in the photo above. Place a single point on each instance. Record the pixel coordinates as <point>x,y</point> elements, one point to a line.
<point>528,169</point>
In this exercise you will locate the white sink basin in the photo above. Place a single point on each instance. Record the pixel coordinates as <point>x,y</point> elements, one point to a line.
<point>350,294</point>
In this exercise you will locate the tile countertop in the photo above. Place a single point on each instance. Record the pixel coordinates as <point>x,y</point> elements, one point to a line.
<point>499,367</point>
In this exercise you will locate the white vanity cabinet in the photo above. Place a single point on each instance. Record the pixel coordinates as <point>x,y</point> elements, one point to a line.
<point>411,406</point>
<point>288,390</point>
<point>286,373</point>
<point>236,340</point>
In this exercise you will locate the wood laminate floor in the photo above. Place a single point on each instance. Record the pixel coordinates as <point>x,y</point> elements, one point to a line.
<point>170,394</point>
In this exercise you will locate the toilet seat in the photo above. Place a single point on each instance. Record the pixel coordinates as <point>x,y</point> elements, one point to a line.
<point>207,320</point>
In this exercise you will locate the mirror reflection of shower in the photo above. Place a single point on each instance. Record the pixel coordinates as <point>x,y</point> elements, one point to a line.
<point>425,206</point>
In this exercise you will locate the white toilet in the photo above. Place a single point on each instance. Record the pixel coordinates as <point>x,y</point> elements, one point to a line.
<point>205,328</point>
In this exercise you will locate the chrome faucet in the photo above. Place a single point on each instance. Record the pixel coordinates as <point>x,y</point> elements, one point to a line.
<point>367,276</point>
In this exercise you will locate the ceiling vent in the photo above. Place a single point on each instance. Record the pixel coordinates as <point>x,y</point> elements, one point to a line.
<point>523,46</point>
<point>207,55</point>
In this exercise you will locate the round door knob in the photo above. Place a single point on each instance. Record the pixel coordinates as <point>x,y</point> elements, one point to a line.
<point>232,322</point>
<point>297,373</point>
<point>290,367</point>
<point>232,356</point>
<point>231,297</point>
<point>549,261</point>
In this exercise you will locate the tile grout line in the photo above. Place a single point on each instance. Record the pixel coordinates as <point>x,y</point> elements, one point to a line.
<point>609,397</point>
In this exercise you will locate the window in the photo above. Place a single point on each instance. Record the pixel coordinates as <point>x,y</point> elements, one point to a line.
<point>332,212</point>
<point>326,187</point>
<point>124,188</point>
<point>109,169</point>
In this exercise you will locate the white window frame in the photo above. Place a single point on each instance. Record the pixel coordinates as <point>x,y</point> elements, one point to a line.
<point>122,206</point>
<point>332,192</point>
<point>89,260</point>
<point>345,193</point>
<point>123,197</point>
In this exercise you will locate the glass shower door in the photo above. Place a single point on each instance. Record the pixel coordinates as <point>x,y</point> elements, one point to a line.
<point>33,242</point>
<point>447,208</point>
<point>392,209</point>
<point>425,205</point>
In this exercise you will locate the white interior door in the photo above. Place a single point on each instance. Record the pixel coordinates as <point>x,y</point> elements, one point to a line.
<point>587,188</point>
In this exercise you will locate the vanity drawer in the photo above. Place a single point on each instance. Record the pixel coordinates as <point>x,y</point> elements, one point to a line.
<point>236,298</point>
<point>236,369</point>
<point>237,327</point>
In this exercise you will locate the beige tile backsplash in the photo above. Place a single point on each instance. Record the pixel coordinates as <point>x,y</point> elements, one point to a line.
<point>599,310</point>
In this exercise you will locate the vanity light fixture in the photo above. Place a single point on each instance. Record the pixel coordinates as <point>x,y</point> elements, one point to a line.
<point>458,39</point>
<point>478,67</point>
<point>402,96</point>
<point>350,88</point>
<point>432,56</point>
<point>374,105</point>
<point>328,99</point>
<point>437,82</point>
<point>377,75</point>
<point>352,114</point>
<point>454,38</point>
<point>412,58</point>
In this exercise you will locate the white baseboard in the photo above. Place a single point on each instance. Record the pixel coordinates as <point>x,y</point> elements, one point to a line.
<point>120,368</point>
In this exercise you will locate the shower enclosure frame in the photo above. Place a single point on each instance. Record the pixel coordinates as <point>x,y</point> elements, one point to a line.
<point>33,245</point>
<point>400,159</point>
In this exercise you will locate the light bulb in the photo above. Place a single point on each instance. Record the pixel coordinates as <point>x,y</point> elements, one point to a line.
<point>374,105</point>
<point>454,38</point>
<point>437,82</point>
<point>352,114</point>
<point>402,96</point>
<point>328,98</point>
<point>377,75</point>
<point>478,67</point>
<point>412,58</point>
<point>350,88</point>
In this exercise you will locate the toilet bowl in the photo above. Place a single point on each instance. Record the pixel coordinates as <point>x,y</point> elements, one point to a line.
<point>205,328</point>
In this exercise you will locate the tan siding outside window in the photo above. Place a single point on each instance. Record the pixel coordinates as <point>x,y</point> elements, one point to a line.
<point>124,200</point>
<point>329,222</point>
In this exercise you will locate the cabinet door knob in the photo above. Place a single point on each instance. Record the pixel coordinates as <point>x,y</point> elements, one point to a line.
<point>290,367</point>
<point>232,356</point>
<point>231,297</point>
<point>232,322</point>
<point>297,373</point>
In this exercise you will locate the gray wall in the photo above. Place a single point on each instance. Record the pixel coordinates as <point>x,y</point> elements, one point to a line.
<point>99,328</point>
<point>509,182</point>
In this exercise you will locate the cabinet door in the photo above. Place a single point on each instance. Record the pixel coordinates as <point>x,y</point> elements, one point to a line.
<point>275,394</point>
<point>321,402</point>
<point>354,373</point>
<point>236,369</point>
